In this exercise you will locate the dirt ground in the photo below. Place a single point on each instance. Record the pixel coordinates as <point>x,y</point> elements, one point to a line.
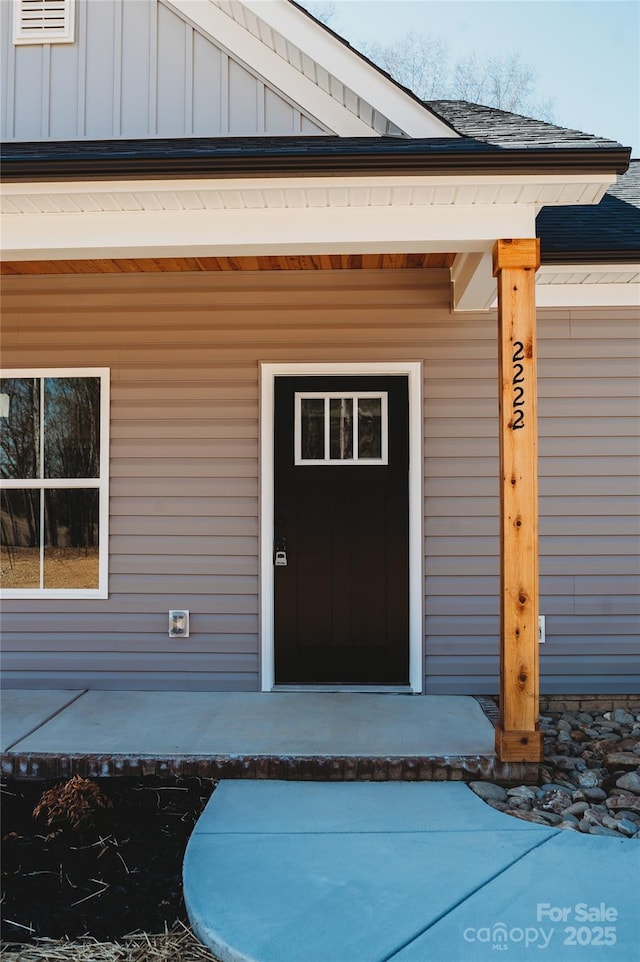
<point>103,861</point>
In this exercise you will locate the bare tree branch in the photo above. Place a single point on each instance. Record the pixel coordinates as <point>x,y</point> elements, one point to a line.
<point>423,64</point>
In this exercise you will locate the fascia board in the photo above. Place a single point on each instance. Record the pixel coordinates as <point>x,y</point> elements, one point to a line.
<point>350,69</point>
<point>588,295</point>
<point>309,230</point>
<point>308,156</point>
<point>223,31</point>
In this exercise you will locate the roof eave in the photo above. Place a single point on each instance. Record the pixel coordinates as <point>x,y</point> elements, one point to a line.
<point>333,156</point>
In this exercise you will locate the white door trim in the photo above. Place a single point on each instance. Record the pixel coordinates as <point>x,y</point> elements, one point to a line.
<point>413,372</point>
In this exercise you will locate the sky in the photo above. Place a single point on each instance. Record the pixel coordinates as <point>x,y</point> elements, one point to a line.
<point>585,53</point>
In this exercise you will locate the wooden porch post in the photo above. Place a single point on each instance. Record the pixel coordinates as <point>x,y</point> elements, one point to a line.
<point>517,737</point>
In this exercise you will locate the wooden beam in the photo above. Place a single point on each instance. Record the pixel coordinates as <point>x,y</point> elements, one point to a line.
<point>514,265</point>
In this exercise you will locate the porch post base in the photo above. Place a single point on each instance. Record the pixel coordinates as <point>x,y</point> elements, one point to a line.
<point>519,746</point>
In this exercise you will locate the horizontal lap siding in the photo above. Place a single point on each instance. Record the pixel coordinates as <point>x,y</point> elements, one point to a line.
<point>589,370</point>
<point>589,529</point>
<point>184,354</point>
<point>461,506</point>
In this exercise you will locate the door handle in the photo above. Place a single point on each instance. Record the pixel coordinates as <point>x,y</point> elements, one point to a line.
<point>280,553</point>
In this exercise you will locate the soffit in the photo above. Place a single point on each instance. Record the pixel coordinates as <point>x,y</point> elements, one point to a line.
<point>589,285</point>
<point>300,193</point>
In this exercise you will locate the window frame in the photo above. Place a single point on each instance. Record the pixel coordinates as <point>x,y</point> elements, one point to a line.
<point>327,397</point>
<point>100,483</point>
<point>60,34</point>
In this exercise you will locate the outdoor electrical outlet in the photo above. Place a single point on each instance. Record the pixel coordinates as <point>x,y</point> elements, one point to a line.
<point>542,629</point>
<point>179,624</point>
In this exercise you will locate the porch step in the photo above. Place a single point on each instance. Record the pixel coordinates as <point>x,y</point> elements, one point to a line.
<point>297,736</point>
<point>317,768</point>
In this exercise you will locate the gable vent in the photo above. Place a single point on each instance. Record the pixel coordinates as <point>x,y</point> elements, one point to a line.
<point>43,21</point>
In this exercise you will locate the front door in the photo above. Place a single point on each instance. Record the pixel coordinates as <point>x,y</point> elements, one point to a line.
<point>341,530</point>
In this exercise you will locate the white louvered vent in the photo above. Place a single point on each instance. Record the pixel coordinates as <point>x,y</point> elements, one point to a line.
<point>43,21</point>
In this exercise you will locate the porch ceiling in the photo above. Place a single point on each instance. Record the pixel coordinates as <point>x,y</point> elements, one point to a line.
<point>302,262</point>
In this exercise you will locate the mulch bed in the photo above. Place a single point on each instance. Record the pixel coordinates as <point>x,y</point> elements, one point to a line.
<point>102,859</point>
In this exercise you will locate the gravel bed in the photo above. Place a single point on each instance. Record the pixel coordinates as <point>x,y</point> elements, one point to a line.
<point>589,781</point>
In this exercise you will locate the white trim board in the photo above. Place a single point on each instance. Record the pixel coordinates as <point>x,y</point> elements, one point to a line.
<point>291,53</point>
<point>268,372</point>
<point>352,70</point>
<point>241,45</point>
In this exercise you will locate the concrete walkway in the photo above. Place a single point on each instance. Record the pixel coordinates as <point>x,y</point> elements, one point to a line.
<point>402,871</point>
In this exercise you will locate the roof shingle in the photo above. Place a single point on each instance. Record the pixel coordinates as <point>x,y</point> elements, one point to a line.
<point>608,231</point>
<point>501,128</point>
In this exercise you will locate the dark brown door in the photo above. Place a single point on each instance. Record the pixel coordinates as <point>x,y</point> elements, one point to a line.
<point>341,530</point>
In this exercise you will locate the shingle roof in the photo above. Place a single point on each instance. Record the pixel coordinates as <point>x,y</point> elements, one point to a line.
<point>490,125</point>
<point>608,231</point>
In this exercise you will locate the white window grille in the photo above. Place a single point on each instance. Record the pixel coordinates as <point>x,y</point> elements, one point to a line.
<point>341,428</point>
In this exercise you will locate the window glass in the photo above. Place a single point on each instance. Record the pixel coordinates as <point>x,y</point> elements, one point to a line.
<point>370,427</point>
<point>71,427</point>
<point>312,428</point>
<point>71,538</point>
<point>20,427</point>
<point>20,550</point>
<point>341,428</point>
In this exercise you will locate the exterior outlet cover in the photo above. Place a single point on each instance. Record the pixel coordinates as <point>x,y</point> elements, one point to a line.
<point>179,623</point>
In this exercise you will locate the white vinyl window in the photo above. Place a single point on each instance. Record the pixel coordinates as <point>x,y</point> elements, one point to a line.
<point>43,21</point>
<point>338,427</point>
<point>54,467</point>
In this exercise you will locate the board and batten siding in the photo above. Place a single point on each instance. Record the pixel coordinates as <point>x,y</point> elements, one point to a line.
<point>184,353</point>
<point>135,69</point>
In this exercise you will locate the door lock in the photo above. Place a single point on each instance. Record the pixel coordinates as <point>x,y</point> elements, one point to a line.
<point>280,553</point>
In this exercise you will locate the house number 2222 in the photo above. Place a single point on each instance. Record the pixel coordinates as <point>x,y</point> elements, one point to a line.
<point>518,389</point>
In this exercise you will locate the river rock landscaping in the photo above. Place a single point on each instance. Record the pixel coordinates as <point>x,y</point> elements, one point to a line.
<point>590,779</point>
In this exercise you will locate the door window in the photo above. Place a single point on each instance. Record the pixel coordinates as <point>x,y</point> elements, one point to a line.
<point>337,428</point>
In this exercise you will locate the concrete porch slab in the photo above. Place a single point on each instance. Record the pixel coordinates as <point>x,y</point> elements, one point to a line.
<point>317,736</point>
<point>24,711</point>
<point>171,723</point>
